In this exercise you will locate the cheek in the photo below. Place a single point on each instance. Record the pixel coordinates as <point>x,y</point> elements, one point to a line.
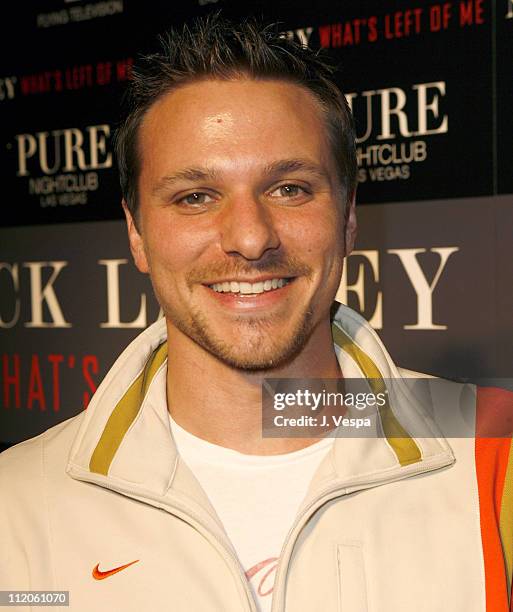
<point>320,244</point>
<point>172,249</point>
<point>321,239</point>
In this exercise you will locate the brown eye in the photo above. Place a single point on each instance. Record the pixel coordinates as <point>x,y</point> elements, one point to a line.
<point>196,198</point>
<point>287,191</point>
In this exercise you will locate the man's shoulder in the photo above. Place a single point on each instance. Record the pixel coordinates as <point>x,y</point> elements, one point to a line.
<point>438,382</point>
<point>406,373</point>
<point>485,409</point>
<point>438,387</point>
<point>486,393</point>
<point>37,457</point>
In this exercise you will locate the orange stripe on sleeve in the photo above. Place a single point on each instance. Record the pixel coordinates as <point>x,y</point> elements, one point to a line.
<point>492,456</point>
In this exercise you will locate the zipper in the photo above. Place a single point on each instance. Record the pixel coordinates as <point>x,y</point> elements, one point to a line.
<point>334,490</point>
<point>329,493</point>
<point>186,515</point>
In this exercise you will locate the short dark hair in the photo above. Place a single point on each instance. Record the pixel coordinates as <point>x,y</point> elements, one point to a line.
<point>216,48</point>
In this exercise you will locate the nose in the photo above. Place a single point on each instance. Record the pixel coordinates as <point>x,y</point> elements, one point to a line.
<point>247,228</point>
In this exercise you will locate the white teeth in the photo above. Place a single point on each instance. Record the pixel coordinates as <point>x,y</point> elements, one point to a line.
<point>249,288</point>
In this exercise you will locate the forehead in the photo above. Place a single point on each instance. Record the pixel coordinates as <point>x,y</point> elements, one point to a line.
<point>232,122</point>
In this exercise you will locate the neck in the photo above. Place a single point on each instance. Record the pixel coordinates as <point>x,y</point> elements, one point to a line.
<point>223,405</point>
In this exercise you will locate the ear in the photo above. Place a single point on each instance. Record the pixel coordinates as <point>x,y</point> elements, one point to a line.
<point>350,227</point>
<point>136,242</point>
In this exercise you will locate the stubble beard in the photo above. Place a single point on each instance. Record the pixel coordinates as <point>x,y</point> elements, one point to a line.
<point>256,343</point>
<point>261,346</point>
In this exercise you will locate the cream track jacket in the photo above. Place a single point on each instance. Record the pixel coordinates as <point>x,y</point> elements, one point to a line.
<point>102,506</point>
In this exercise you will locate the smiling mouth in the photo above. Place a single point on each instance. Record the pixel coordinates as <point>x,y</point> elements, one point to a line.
<point>245,288</point>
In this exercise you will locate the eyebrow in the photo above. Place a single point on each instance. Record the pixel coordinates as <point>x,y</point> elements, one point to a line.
<point>295,165</point>
<point>187,174</point>
<point>276,168</point>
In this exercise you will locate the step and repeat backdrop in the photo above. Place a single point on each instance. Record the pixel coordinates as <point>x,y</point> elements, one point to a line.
<point>429,84</point>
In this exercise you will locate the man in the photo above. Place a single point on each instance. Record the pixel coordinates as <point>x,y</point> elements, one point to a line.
<point>238,171</point>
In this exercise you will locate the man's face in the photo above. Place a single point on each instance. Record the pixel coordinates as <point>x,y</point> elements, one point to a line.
<point>241,221</point>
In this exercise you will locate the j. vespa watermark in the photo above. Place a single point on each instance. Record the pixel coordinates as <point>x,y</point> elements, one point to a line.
<point>361,407</point>
<point>314,407</point>
<point>319,402</point>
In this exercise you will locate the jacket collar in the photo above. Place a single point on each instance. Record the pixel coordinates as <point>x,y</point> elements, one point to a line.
<point>125,440</point>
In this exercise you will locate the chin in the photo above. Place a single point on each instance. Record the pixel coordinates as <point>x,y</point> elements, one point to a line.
<point>257,353</point>
<point>252,345</point>
<point>252,362</point>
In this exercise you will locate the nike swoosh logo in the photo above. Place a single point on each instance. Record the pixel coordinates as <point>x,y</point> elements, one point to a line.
<point>99,575</point>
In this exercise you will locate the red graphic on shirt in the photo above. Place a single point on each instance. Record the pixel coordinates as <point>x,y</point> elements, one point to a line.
<point>252,571</point>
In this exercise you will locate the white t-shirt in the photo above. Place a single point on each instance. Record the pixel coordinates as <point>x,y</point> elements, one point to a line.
<point>256,497</point>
